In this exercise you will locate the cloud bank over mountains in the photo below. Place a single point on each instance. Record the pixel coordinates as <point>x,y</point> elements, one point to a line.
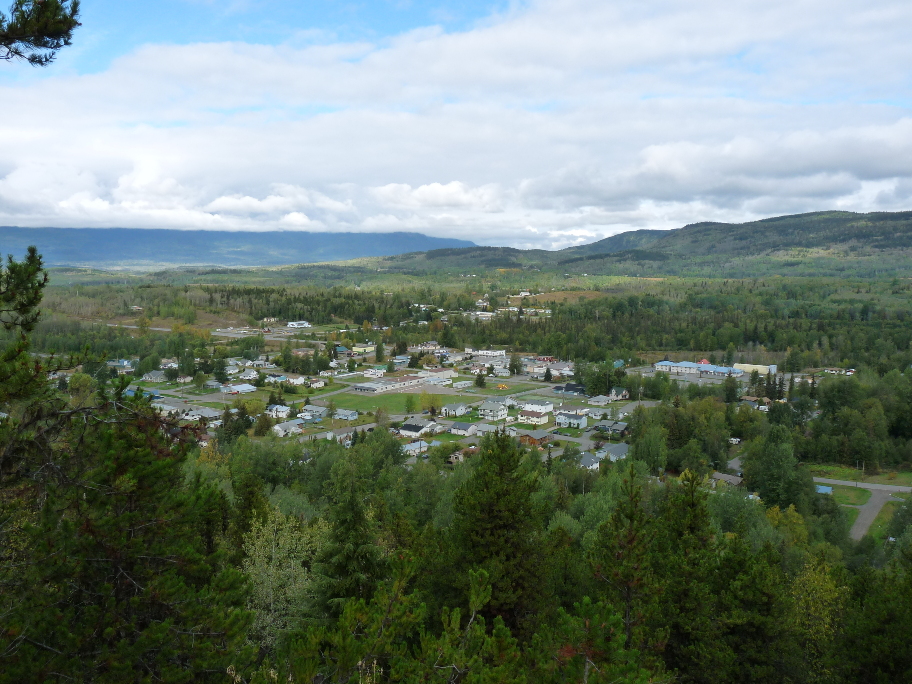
<point>554,123</point>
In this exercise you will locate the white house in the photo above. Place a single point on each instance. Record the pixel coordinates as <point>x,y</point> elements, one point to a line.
<point>415,428</point>
<point>533,417</point>
<point>571,420</point>
<point>298,381</point>
<point>482,429</point>
<point>277,411</point>
<point>463,429</point>
<point>317,384</point>
<point>374,373</point>
<point>492,410</point>
<point>291,427</point>
<point>539,405</point>
<point>345,414</point>
<point>600,400</point>
<point>454,410</point>
<point>618,394</point>
<point>154,376</point>
<point>249,374</point>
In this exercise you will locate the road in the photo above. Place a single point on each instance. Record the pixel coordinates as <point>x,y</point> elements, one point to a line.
<point>880,495</point>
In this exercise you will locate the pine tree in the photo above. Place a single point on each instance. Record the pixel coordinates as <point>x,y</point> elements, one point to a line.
<point>351,563</point>
<point>494,530</point>
<point>117,582</point>
<point>37,29</point>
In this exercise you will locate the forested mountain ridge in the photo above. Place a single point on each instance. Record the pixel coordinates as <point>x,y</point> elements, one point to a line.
<point>832,243</point>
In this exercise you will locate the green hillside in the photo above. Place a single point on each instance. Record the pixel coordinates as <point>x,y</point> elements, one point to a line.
<point>821,243</point>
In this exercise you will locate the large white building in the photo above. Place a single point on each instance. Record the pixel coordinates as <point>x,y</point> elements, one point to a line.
<point>299,324</point>
<point>700,370</point>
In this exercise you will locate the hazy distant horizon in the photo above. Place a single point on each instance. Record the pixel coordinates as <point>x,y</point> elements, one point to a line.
<point>529,124</point>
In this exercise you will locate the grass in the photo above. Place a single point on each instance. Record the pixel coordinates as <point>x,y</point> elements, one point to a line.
<point>391,403</point>
<point>839,472</point>
<point>878,528</point>
<point>851,515</point>
<point>851,496</point>
<point>512,387</point>
<point>570,432</point>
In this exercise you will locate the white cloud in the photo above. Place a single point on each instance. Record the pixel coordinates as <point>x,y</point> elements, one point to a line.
<point>552,123</point>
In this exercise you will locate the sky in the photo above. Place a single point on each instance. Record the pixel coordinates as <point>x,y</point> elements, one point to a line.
<point>542,124</point>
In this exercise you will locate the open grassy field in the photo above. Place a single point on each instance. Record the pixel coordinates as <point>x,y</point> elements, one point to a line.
<point>838,472</point>
<point>878,528</point>
<point>851,514</point>
<point>852,496</point>
<point>512,387</point>
<point>391,403</point>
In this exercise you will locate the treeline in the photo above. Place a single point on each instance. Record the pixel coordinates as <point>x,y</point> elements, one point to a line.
<point>131,552</point>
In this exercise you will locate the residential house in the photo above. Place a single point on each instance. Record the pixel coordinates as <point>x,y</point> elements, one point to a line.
<point>345,414</point>
<point>618,394</point>
<point>616,452</point>
<point>202,413</point>
<point>290,427</point>
<point>492,410</point>
<point>463,429</point>
<point>533,417</point>
<point>248,374</point>
<point>539,405</point>
<point>533,437</point>
<point>482,429</point>
<point>298,381</point>
<point>277,411</point>
<point>122,366</point>
<point>462,384</point>
<point>213,385</point>
<point>415,428</point>
<point>415,448</point>
<point>318,412</point>
<point>317,384</point>
<point>600,400</point>
<point>374,373</point>
<point>502,372</point>
<point>154,376</point>
<point>363,348</point>
<point>732,480</point>
<point>571,420</point>
<point>589,461</point>
<point>570,388</point>
<point>454,410</point>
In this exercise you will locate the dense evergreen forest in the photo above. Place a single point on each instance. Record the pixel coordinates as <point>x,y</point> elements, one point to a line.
<point>128,552</point>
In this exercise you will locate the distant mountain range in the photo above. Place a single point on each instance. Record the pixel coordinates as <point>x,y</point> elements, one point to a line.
<point>820,243</point>
<point>137,248</point>
<point>833,243</point>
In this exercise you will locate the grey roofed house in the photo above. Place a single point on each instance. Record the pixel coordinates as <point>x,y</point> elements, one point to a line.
<point>590,461</point>
<point>290,427</point>
<point>197,412</point>
<point>616,452</point>
<point>492,409</point>
<point>154,376</point>
<point>463,428</point>
<point>316,411</point>
<point>346,414</point>
<point>485,428</point>
<point>600,400</point>
<point>454,410</point>
<point>733,480</point>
